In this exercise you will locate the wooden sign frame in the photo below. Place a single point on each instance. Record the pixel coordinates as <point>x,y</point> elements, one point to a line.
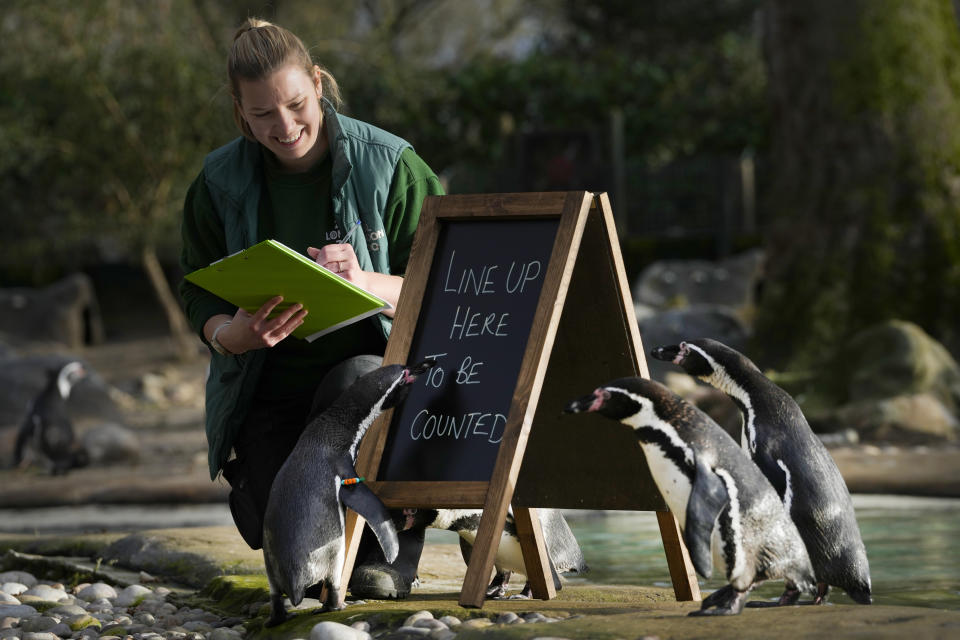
<point>495,496</point>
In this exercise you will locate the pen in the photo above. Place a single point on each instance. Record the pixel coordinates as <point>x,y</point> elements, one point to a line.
<point>349,235</point>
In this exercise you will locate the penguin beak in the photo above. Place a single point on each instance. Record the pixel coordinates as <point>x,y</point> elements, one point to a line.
<point>669,353</point>
<point>410,374</point>
<point>587,404</point>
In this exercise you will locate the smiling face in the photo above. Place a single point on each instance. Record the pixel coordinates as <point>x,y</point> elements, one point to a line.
<point>283,112</point>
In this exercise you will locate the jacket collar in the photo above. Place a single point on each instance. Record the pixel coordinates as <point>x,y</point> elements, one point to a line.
<point>337,141</point>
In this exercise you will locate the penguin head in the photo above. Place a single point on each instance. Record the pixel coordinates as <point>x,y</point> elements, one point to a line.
<point>704,358</point>
<point>629,400</point>
<point>67,376</point>
<point>396,380</point>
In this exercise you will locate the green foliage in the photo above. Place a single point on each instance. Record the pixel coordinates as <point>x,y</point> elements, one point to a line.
<point>103,122</point>
<point>868,177</point>
<point>108,107</point>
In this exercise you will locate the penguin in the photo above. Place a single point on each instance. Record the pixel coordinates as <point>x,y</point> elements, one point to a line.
<point>563,549</point>
<point>728,511</point>
<point>303,529</point>
<point>47,429</point>
<point>778,438</point>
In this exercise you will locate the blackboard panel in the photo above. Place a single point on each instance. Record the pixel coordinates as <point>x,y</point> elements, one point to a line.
<point>475,317</point>
<point>586,461</point>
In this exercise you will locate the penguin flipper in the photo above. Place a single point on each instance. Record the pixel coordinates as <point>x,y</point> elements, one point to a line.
<point>359,498</point>
<point>708,497</point>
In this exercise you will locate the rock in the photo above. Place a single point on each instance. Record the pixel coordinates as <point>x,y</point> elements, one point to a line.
<point>410,632</point>
<point>158,552</point>
<point>38,635</point>
<point>679,283</point>
<point>111,444</point>
<point>79,622</point>
<point>61,630</point>
<point>419,615</point>
<point>39,623</point>
<point>97,591</point>
<point>45,592</point>
<point>225,633</point>
<point>13,588</point>
<point>145,618</point>
<point>451,621</point>
<point>429,624</point>
<point>131,595</point>
<point>328,630</point>
<point>898,358</point>
<point>6,598</point>
<point>508,617</point>
<point>907,419</point>
<point>21,577</point>
<point>68,610</point>
<point>17,611</point>
<point>100,604</point>
<point>65,312</point>
<point>442,634</point>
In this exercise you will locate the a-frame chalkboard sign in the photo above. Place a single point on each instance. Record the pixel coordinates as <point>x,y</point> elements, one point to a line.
<point>523,301</point>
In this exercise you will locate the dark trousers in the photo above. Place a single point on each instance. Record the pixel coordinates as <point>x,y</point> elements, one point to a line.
<point>267,437</point>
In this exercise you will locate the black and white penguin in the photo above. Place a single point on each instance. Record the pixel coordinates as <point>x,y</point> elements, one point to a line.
<point>564,551</point>
<point>777,436</point>
<point>303,535</point>
<point>47,431</point>
<point>727,510</point>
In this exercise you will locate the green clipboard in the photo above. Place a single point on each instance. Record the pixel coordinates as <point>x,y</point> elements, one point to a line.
<point>251,277</point>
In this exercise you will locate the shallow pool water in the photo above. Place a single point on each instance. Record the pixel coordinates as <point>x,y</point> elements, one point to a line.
<point>912,546</point>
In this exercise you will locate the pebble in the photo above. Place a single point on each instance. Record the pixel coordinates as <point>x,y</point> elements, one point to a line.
<point>99,611</point>
<point>21,577</point>
<point>45,593</point>
<point>97,591</point>
<point>328,630</point>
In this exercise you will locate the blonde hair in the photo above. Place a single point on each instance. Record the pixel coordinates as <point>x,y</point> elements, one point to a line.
<point>259,48</point>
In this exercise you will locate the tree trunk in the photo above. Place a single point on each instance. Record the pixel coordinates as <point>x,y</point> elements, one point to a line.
<point>184,340</point>
<point>866,174</point>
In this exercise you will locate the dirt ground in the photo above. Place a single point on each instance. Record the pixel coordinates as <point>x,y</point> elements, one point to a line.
<point>162,403</point>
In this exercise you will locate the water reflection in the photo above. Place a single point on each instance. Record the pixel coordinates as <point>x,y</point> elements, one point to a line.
<point>911,544</point>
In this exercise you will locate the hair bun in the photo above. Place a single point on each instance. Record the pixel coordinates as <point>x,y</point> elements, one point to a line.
<point>250,25</point>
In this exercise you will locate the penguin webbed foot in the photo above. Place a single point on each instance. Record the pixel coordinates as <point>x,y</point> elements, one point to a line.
<point>789,597</point>
<point>278,613</point>
<point>498,586</point>
<point>725,601</point>
<point>525,594</point>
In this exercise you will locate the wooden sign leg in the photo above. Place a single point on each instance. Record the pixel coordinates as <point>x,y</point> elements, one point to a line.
<point>484,551</point>
<point>682,574</point>
<point>352,530</point>
<point>535,557</point>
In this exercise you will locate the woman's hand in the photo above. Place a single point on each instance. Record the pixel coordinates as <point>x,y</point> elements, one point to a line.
<point>254,331</point>
<point>341,259</point>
